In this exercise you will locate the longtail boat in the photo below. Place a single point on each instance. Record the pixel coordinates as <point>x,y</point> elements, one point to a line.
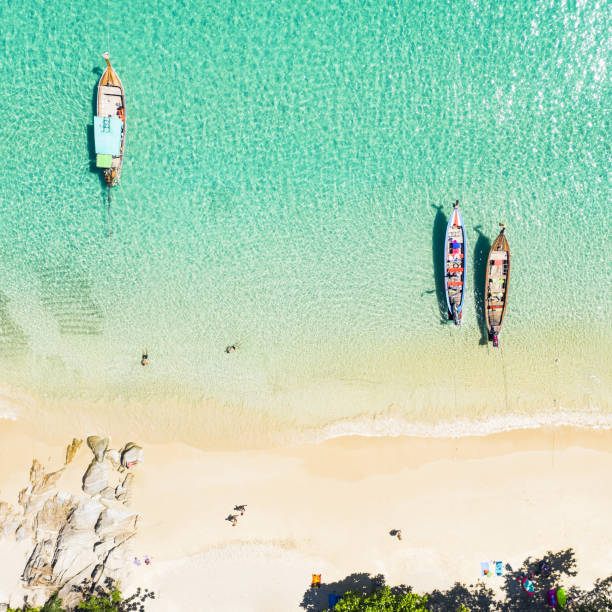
<point>454,265</point>
<point>109,124</point>
<point>496,285</point>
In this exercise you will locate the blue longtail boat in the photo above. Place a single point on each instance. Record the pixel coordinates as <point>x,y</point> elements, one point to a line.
<point>455,265</point>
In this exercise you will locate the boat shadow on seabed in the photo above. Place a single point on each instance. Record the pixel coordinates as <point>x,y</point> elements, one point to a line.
<point>91,149</point>
<point>437,253</point>
<point>480,259</point>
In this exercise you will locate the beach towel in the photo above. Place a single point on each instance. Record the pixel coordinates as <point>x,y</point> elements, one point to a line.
<point>498,568</point>
<point>527,585</point>
<point>561,598</point>
<point>332,600</point>
<point>484,568</point>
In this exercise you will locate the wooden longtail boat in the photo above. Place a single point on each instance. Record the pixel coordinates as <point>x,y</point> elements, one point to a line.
<point>454,265</point>
<point>496,285</point>
<point>110,124</point>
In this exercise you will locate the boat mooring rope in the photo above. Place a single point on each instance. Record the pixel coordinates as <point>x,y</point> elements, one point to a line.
<point>451,330</point>
<point>501,354</point>
<point>108,210</point>
<point>108,25</point>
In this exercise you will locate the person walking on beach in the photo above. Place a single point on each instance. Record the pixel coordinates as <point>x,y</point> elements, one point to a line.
<point>233,519</point>
<point>397,533</point>
<point>240,509</point>
<point>145,357</point>
<point>232,348</point>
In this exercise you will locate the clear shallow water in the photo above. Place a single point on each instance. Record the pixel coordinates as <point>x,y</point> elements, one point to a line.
<point>284,172</point>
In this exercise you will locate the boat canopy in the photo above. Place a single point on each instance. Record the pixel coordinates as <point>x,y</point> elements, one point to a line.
<point>107,135</point>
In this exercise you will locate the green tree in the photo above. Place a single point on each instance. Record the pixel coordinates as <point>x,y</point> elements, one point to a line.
<point>384,600</point>
<point>109,602</point>
<point>53,605</point>
<point>103,601</point>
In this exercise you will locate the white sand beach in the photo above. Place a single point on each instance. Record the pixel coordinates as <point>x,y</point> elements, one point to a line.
<point>328,509</point>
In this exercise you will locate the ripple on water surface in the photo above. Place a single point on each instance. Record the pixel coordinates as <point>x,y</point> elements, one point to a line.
<point>286,189</point>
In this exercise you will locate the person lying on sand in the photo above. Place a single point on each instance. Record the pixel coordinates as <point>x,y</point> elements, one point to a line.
<point>233,519</point>
<point>240,508</point>
<point>396,532</point>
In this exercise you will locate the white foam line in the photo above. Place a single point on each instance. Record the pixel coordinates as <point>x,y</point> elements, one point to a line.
<point>395,427</point>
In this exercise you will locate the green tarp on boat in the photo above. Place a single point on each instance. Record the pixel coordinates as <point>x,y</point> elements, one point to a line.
<point>107,135</point>
<point>104,161</point>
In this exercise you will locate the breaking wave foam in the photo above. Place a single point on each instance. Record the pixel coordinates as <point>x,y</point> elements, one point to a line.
<point>393,426</point>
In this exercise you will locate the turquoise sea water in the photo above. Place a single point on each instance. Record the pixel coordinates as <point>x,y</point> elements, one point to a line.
<point>288,174</point>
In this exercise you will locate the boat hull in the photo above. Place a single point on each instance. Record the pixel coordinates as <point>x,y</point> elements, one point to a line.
<point>455,249</point>
<point>111,103</point>
<point>497,288</point>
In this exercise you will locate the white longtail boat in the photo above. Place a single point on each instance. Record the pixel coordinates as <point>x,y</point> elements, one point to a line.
<point>110,124</point>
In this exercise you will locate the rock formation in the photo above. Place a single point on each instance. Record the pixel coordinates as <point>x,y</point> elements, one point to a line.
<point>72,449</point>
<point>131,455</point>
<point>98,446</point>
<point>75,538</point>
<point>95,479</point>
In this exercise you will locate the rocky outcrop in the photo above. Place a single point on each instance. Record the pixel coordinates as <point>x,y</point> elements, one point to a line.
<point>75,537</point>
<point>131,455</point>
<point>72,449</point>
<point>98,446</point>
<point>123,491</point>
<point>114,457</point>
<point>52,516</point>
<point>95,479</point>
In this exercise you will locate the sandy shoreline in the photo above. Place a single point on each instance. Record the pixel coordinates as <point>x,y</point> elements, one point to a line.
<point>328,508</point>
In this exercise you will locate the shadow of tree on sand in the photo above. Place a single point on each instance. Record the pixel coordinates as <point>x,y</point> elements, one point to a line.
<point>316,599</point>
<point>477,598</point>
<point>549,572</point>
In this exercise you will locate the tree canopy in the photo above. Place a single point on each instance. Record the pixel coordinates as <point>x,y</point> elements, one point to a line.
<point>383,600</point>
<point>96,598</point>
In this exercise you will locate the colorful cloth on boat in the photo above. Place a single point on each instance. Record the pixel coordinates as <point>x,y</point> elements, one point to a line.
<point>107,135</point>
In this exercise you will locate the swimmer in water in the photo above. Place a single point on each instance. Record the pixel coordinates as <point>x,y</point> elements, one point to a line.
<point>145,357</point>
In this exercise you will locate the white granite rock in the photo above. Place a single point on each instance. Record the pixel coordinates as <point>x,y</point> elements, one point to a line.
<point>96,477</point>
<point>131,455</point>
<point>98,446</point>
